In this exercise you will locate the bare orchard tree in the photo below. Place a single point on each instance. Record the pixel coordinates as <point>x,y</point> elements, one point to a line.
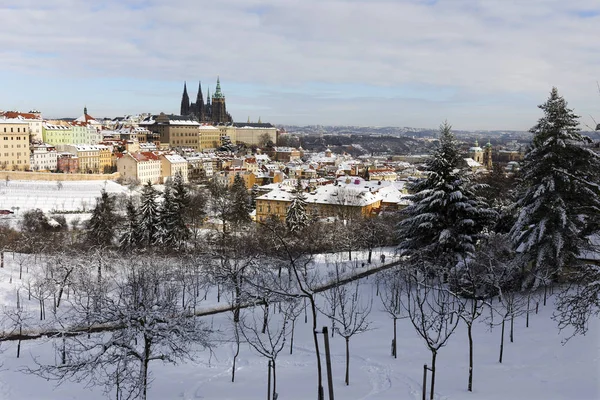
<point>346,306</point>
<point>428,304</point>
<point>297,256</point>
<point>144,304</point>
<point>232,255</point>
<point>268,339</point>
<point>392,286</point>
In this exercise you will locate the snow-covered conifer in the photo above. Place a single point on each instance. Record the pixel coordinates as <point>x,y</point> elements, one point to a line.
<point>149,214</point>
<point>446,216</point>
<point>101,226</point>
<point>240,210</point>
<point>559,195</point>
<point>130,238</point>
<point>296,217</point>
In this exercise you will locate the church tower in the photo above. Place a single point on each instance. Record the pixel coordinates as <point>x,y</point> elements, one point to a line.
<point>219,111</point>
<point>487,156</point>
<point>185,101</point>
<point>476,153</point>
<point>208,107</point>
<point>199,111</point>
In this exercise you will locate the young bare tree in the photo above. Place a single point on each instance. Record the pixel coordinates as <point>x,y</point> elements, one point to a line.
<point>153,327</point>
<point>391,283</point>
<point>347,307</point>
<point>428,305</point>
<point>269,339</point>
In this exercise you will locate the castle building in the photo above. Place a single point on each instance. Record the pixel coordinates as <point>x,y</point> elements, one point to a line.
<point>213,111</point>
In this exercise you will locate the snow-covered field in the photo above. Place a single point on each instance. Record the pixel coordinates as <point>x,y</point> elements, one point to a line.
<point>536,366</point>
<point>54,196</point>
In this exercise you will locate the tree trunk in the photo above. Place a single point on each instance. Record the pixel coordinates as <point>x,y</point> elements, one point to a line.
<point>147,346</point>
<point>395,343</point>
<point>320,393</point>
<point>265,318</point>
<point>347,361</point>
<point>527,318</point>
<point>292,337</point>
<point>512,324</point>
<point>470,333</point>
<point>501,341</point>
<point>237,352</point>
<point>370,254</point>
<point>433,357</point>
<point>274,381</point>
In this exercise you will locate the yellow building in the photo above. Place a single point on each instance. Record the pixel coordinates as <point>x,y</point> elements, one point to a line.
<point>90,160</point>
<point>175,131</point>
<point>14,144</point>
<point>326,201</point>
<point>210,137</point>
<point>252,133</point>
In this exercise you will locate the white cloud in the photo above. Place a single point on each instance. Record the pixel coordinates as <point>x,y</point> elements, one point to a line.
<point>488,49</point>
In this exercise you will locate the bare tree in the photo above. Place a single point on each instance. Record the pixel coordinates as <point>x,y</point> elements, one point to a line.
<point>392,287</point>
<point>428,304</point>
<point>268,339</point>
<point>348,309</point>
<point>144,302</point>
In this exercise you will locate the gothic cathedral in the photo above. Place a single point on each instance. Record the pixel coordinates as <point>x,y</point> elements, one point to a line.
<point>213,112</point>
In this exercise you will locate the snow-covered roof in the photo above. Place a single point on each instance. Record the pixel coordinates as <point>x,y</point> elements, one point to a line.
<point>13,121</point>
<point>175,158</point>
<point>472,163</point>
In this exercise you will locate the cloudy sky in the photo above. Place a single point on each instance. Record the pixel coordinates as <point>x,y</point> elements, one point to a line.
<point>480,64</point>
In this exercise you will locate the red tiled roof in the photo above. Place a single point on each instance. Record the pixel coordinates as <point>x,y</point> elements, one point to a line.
<point>15,114</point>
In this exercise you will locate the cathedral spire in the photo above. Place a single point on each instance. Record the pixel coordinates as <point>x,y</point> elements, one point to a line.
<point>218,94</point>
<point>185,101</point>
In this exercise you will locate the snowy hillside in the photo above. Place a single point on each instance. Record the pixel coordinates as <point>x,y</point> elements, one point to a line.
<point>536,365</point>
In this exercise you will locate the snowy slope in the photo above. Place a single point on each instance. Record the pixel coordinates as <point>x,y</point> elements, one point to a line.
<point>536,365</point>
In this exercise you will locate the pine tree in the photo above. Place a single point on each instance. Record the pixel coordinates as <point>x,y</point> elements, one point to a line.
<point>130,238</point>
<point>240,210</point>
<point>559,196</point>
<point>181,204</point>
<point>167,217</point>
<point>101,226</point>
<point>446,216</point>
<point>149,215</point>
<point>296,217</point>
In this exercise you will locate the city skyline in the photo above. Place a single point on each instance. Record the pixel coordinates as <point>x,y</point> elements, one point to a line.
<point>479,65</point>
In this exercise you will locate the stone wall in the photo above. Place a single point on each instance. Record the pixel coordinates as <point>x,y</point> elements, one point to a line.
<point>48,176</point>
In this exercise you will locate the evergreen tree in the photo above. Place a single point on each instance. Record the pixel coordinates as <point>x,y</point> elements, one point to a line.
<point>296,217</point>
<point>149,215</point>
<point>446,216</point>
<point>181,204</point>
<point>101,226</point>
<point>130,238</point>
<point>167,217</point>
<point>559,196</point>
<point>240,210</point>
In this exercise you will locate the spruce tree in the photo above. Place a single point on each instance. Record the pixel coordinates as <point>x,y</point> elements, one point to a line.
<point>240,210</point>
<point>149,215</point>
<point>446,217</point>
<point>296,217</point>
<point>101,226</point>
<point>559,196</point>
<point>181,205</point>
<point>130,238</point>
<point>167,220</point>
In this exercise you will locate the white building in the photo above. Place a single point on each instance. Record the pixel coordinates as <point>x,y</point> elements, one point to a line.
<point>143,166</point>
<point>171,164</point>
<point>44,158</point>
